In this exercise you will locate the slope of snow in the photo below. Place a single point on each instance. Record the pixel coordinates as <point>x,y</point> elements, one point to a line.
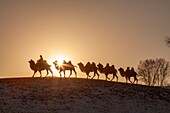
<point>42,95</point>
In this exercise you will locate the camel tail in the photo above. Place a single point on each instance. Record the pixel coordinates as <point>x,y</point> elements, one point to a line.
<point>75,66</point>
<point>49,65</point>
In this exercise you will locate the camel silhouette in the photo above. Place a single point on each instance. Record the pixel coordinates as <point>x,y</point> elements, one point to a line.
<point>65,66</point>
<point>108,70</point>
<point>128,74</point>
<point>40,66</point>
<point>88,68</point>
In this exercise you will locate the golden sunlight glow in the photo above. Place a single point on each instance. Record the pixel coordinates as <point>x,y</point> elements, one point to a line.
<point>60,60</point>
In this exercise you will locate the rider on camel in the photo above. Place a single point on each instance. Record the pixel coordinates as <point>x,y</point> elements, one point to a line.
<point>41,60</point>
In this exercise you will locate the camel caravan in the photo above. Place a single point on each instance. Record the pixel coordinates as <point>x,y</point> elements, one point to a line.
<point>87,69</point>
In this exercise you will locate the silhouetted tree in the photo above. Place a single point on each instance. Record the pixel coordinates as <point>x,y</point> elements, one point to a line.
<point>167,41</point>
<point>154,71</point>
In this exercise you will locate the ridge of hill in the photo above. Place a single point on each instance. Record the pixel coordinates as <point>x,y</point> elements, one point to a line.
<point>78,95</point>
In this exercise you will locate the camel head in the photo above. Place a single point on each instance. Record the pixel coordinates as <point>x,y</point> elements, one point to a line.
<point>100,65</point>
<point>81,66</point>
<point>55,62</point>
<point>100,68</point>
<point>32,64</point>
<point>122,72</point>
<point>31,61</point>
<point>56,65</point>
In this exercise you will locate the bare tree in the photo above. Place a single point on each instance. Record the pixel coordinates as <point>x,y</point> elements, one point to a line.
<point>154,71</point>
<point>167,41</point>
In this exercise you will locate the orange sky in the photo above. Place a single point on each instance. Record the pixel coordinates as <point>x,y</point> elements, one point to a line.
<point>119,32</point>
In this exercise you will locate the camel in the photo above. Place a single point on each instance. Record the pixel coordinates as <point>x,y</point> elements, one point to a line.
<point>88,68</point>
<point>65,66</point>
<point>40,67</point>
<point>128,73</point>
<point>108,70</point>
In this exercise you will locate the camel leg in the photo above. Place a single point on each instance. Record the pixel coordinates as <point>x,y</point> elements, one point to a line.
<point>47,72</point>
<point>60,73</point>
<point>116,77</point>
<point>87,75</point>
<point>40,73</point>
<point>135,79</point>
<point>107,77</point>
<point>75,73</point>
<point>64,73</point>
<point>70,73</point>
<point>126,79</point>
<point>93,75</point>
<point>34,73</point>
<point>113,77</point>
<point>130,80</point>
<point>51,72</point>
<point>97,75</point>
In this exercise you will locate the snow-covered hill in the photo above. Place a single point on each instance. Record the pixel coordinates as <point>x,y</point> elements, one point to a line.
<point>43,95</point>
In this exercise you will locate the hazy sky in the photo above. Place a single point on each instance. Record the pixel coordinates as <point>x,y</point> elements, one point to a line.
<point>121,32</point>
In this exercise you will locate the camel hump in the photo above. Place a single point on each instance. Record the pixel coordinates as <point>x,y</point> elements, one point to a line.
<point>133,71</point>
<point>49,65</point>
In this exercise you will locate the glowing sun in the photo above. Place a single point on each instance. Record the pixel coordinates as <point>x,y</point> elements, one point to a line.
<point>60,60</point>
